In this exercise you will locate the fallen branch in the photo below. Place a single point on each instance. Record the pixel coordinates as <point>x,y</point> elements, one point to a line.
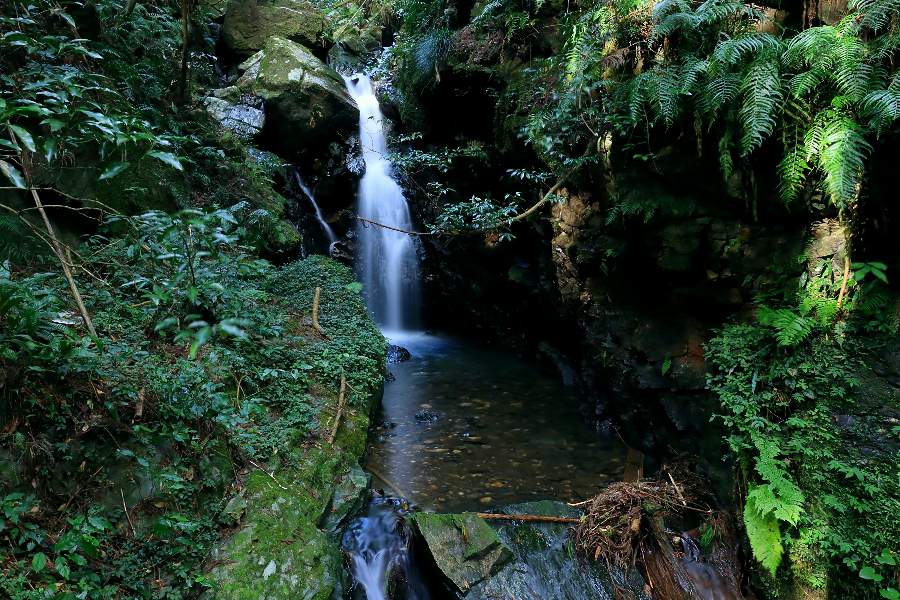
<point>315,312</point>
<point>528,518</point>
<point>340,410</point>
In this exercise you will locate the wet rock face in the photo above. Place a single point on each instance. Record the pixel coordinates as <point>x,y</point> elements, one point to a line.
<point>305,100</point>
<point>464,547</point>
<point>250,23</point>
<point>509,560</point>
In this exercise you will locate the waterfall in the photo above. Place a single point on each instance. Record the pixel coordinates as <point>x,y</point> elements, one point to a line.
<point>379,547</point>
<point>386,259</point>
<point>329,232</point>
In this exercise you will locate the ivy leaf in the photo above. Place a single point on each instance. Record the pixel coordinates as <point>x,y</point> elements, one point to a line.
<point>870,574</point>
<point>886,558</point>
<point>168,158</point>
<point>24,137</point>
<point>113,170</point>
<point>13,174</point>
<point>62,567</point>
<point>38,562</point>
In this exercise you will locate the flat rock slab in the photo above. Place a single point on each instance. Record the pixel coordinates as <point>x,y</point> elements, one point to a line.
<point>465,548</point>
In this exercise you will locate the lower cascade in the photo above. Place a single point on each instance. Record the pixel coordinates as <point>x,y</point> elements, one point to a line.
<point>386,255</point>
<point>379,547</point>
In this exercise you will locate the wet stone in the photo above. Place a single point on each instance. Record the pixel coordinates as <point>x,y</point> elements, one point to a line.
<point>427,416</point>
<point>397,354</point>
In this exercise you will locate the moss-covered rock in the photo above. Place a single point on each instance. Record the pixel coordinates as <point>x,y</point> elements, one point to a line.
<point>305,99</point>
<point>250,23</point>
<point>464,546</point>
<point>286,544</point>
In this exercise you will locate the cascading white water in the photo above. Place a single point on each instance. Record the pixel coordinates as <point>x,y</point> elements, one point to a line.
<point>379,546</point>
<point>329,232</point>
<point>386,259</point>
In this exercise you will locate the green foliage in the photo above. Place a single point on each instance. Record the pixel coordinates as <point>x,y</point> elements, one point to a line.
<point>57,105</point>
<point>765,537</point>
<point>813,494</point>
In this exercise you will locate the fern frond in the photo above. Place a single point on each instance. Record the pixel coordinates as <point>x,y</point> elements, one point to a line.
<point>790,328</point>
<point>792,173</point>
<point>720,91</point>
<point>736,49</point>
<point>875,14</point>
<point>842,154</point>
<point>762,94</point>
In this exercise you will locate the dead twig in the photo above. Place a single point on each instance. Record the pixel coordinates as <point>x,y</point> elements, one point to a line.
<point>528,518</point>
<point>127,516</point>
<point>340,410</point>
<point>278,483</point>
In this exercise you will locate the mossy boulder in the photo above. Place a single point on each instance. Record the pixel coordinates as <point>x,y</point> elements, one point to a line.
<point>510,560</point>
<point>250,23</point>
<point>306,101</point>
<point>463,546</point>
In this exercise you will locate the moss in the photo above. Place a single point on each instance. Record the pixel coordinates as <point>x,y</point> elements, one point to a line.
<point>278,551</point>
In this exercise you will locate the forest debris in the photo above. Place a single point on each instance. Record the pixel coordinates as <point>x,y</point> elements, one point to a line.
<point>624,526</point>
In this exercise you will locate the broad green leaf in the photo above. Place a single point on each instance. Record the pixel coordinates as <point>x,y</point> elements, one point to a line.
<point>38,562</point>
<point>232,329</point>
<point>870,574</point>
<point>13,174</point>
<point>168,158</point>
<point>23,136</point>
<point>113,170</point>
<point>165,323</point>
<point>67,18</point>
<point>886,558</point>
<point>890,593</point>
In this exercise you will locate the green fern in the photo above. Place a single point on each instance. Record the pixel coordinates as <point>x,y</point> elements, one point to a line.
<point>791,328</point>
<point>764,535</point>
<point>761,95</point>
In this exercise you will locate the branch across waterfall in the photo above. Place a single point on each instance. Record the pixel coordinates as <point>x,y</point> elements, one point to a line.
<point>479,215</point>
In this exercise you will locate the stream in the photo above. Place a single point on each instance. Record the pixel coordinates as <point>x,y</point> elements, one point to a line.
<point>466,427</point>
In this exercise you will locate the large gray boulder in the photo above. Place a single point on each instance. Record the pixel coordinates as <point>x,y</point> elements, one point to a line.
<point>306,101</point>
<point>250,23</point>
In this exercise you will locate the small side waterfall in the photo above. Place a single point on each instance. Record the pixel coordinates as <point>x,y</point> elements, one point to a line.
<point>386,259</point>
<point>326,228</point>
